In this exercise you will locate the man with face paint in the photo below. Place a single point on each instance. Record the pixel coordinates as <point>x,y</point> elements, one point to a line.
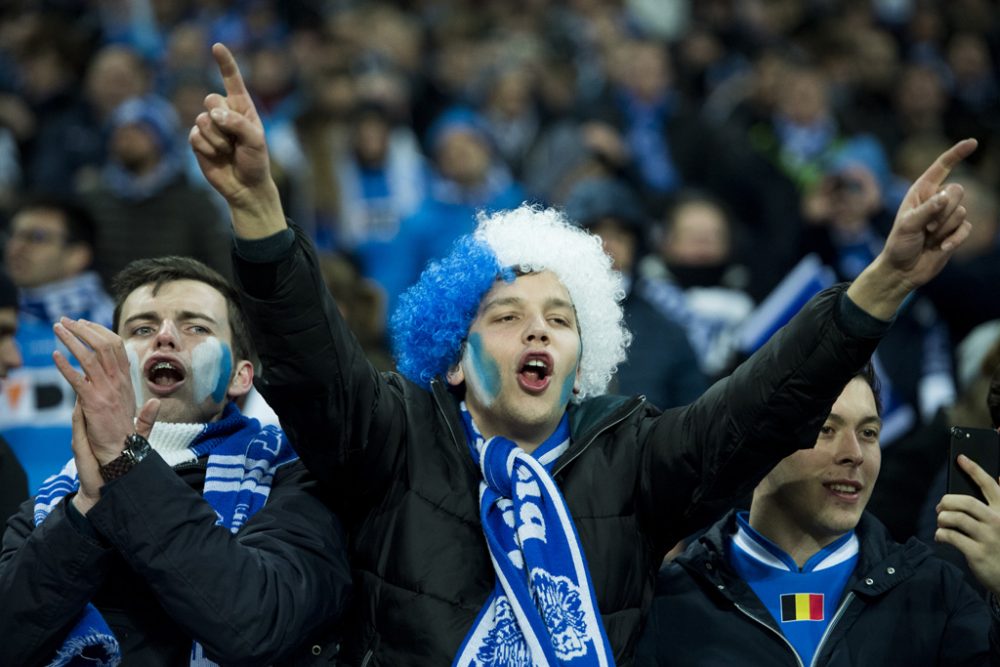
<point>181,532</point>
<point>505,510</point>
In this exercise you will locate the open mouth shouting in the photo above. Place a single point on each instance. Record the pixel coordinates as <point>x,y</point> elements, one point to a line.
<point>844,489</point>
<point>163,375</point>
<point>535,372</point>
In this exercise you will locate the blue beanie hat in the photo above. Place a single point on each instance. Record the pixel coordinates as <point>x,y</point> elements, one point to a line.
<point>458,119</point>
<point>153,113</point>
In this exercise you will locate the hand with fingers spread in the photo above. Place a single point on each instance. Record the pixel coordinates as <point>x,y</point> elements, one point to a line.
<point>229,143</point>
<point>973,527</point>
<point>929,226</point>
<point>105,398</point>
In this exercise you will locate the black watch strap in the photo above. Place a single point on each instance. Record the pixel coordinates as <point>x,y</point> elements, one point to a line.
<point>136,449</point>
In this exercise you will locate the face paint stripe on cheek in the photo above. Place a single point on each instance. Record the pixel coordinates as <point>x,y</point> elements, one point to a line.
<point>484,375</point>
<point>210,366</point>
<point>225,369</point>
<point>566,391</point>
<point>135,370</point>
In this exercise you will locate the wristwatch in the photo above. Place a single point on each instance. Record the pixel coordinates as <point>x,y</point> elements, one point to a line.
<point>136,449</point>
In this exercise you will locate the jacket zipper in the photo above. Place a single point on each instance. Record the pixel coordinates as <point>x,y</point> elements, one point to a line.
<point>780,636</point>
<point>451,431</point>
<point>590,441</point>
<point>822,641</point>
<point>829,628</point>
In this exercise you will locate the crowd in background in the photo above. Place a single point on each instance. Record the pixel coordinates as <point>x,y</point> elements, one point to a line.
<point>740,141</point>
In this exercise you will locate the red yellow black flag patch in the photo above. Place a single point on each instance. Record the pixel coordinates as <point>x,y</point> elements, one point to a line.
<point>802,607</point>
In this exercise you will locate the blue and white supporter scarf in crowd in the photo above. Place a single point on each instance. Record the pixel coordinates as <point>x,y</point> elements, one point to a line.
<point>81,296</point>
<point>542,610</point>
<point>242,459</point>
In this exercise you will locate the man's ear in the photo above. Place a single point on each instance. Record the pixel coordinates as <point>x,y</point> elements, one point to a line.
<point>242,381</point>
<point>456,375</point>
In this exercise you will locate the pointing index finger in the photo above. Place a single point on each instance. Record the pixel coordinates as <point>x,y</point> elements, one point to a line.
<point>932,179</point>
<point>230,71</point>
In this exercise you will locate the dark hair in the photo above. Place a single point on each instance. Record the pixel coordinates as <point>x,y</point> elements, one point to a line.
<point>80,224</point>
<point>867,373</point>
<point>157,271</point>
<point>993,398</point>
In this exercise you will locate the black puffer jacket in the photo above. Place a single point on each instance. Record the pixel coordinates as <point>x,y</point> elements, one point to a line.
<point>635,480</point>
<point>902,606</point>
<point>268,594</point>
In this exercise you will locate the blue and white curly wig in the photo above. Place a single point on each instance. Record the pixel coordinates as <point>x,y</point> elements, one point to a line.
<point>433,317</point>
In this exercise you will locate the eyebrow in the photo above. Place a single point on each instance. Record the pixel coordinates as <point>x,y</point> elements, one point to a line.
<point>182,316</point>
<point>552,302</point>
<point>869,420</point>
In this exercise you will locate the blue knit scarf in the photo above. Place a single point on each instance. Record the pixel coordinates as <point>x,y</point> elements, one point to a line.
<point>542,610</point>
<point>242,459</point>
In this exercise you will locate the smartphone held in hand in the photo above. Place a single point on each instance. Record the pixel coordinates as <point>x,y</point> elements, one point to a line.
<point>982,445</point>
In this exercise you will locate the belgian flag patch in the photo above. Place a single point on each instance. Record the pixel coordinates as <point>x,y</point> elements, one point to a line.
<point>801,607</point>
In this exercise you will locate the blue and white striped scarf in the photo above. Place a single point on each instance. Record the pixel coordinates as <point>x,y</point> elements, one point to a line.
<point>81,296</point>
<point>542,610</point>
<point>242,459</point>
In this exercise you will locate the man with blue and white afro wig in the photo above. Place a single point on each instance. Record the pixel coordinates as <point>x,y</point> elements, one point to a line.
<point>434,315</point>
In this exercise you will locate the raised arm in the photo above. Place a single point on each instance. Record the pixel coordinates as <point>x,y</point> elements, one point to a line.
<point>228,141</point>
<point>331,402</point>
<point>928,228</point>
<point>705,457</point>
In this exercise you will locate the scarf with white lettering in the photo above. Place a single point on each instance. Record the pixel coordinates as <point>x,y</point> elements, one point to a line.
<point>542,610</point>
<point>242,459</point>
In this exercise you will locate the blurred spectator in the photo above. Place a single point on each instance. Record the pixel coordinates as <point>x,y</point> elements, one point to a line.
<point>966,293</point>
<point>976,89</point>
<point>114,74</point>
<point>570,150</point>
<point>324,134</point>
<point>668,141</point>
<point>49,254</point>
<point>510,113</point>
<point>869,68</point>
<point>661,363</point>
<point>803,134</point>
<point>13,480</point>
<point>467,178</point>
<point>694,278</point>
<point>144,205</point>
<point>382,178</point>
<point>645,104</point>
<point>47,115</point>
<point>919,103</point>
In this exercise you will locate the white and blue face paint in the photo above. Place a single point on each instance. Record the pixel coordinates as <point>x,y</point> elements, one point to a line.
<point>211,366</point>
<point>482,373</point>
<point>135,371</point>
<point>566,391</point>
